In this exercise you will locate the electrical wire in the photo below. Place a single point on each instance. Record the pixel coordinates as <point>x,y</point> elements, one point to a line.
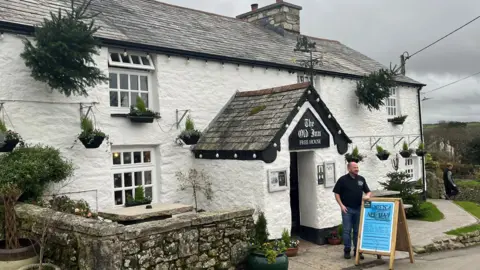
<point>443,86</point>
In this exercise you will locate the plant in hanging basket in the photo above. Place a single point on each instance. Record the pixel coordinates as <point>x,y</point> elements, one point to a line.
<point>90,137</point>
<point>421,150</point>
<point>406,152</point>
<point>355,156</point>
<point>382,154</point>
<point>138,199</point>
<point>190,135</point>
<point>374,89</point>
<point>11,139</point>
<point>140,114</point>
<point>399,120</point>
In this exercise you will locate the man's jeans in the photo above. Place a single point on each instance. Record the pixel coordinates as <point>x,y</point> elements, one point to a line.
<point>350,221</point>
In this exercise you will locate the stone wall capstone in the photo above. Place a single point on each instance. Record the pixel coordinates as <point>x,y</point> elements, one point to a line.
<point>450,242</point>
<point>209,240</point>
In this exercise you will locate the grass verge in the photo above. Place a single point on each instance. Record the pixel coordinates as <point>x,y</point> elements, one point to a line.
<point>432,214</point>
<point>471,207</point>
<point>463,230</point>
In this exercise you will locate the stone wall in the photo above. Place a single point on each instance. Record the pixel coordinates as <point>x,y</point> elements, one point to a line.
<point>468,191</point>
<point>209,240</point>
<point>451,243</point>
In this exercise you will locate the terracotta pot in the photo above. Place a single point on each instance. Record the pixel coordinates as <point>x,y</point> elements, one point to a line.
<point>334,241</point>
<point>292,252</point>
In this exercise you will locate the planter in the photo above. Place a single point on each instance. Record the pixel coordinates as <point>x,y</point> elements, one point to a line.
<point>334,241</point>
<point>190,140</point>
<point>130,204</point>
<point>258,261</point>
<point>45,266</point>
<point>405,154</point>
<point>352,159</point>
<point>90,144</point>
<point>421,153</point>
<point>9,146</point>
<point>140,119</point>
<point>383,156</point>
<point>13,259</point>
<point>291,252</point>
<point>398,120</point>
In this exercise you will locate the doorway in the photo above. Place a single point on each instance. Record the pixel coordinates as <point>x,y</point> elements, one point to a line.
<point>294,194</point>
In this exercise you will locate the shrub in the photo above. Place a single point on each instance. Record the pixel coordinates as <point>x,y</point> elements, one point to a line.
<point>468,191</point>
<point>462,171</point>
<point>66,205</point>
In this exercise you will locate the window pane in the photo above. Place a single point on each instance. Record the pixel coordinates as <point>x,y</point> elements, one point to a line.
<point>128,179</point>
<point>115,57</point>
<point>146,157</point>
<point>133,82</point>
<point>125,59</point>
<point>124,81</point>
<point>127,158</point>
<point>113,98</point>
<point>128,193</point>
<point>148,192</point>
<point>133,98</point>
<point>145,61</point>
<point>144,83</point>
<point>145,98</point>
<point>116,158</point>
<point>137,157</point>
<point>124,99</point>
<point>118,197</point>
<point>117,180</point>
<point>138,179</point>
<point>135,59</point>
<point>113,81</point>
<point>148,177</point>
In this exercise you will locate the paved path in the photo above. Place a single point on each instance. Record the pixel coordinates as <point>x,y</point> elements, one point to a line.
<point>313,257</point>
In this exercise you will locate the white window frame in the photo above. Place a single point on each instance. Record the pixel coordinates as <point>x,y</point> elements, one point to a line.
<point>391,103</point>
<point>129,72</point>
<point>410,168</point>
<point>120,63</point>
<point>305,78</point>
<point>132,168</point>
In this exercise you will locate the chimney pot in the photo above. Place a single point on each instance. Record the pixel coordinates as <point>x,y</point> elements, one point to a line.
<point>255,7</point>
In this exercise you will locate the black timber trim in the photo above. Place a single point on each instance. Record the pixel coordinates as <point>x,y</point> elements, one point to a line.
<point>268,155</point>
<point>29,30</point>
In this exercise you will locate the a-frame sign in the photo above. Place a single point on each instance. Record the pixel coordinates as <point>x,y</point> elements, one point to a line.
<point>383,229</point>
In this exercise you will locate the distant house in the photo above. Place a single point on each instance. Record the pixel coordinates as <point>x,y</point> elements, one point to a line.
<point>271,139</point>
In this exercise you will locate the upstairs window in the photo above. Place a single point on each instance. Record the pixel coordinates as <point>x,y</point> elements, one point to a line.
<point>391,103</point>
<point>126,85</point>
<point>304,78</point>
<point>130,60</point>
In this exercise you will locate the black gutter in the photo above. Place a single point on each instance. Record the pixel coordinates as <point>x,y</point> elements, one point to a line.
<point>29,30</point>
<point>424,193</point>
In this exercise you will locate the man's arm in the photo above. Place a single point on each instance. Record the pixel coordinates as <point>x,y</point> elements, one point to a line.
<point>450,179</point>
<point>337,190</point>
<point>366,189</point>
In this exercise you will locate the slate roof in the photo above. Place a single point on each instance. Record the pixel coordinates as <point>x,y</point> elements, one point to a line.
<point>253,120</point>
<point>164,26</point>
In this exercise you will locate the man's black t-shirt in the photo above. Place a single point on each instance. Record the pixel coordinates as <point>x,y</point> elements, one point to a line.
<point>351,190</point>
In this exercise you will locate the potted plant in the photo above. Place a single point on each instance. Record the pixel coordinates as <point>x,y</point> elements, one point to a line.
<point>406,152</point>
<point>198,182</point>
<point>90,137</point>
<point>334,238</point>
<point>264,254</point>
<point>291,245</point>
<point>140,114</point>
<point>23,169</point>
<point>190,135</point>
<point>382,154</point>
<point>11,138</point>
<point>138,199</point>
<point>399,120</point>
<point>354,156</point>
<point>421,150</point>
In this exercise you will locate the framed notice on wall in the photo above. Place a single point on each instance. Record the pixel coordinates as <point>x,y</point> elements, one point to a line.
<point>277,180</point>
<point>320,174</point>
<point>330,177</point>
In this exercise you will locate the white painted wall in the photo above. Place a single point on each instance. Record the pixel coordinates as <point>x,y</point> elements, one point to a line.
<point>307,188</point>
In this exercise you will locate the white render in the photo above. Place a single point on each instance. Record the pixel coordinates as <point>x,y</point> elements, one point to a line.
<point>203,88</point>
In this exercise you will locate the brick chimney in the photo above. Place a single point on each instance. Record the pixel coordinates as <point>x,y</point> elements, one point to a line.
<point>279,14</point>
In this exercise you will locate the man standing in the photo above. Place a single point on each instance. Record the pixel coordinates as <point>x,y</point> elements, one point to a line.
<point>349,191</point>
<point>450,187</point>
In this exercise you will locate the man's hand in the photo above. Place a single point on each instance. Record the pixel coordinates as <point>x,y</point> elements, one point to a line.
<point>344,209</point>
<point>366,197</point>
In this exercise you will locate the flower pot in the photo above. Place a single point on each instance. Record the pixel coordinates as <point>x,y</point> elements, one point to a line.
<point>90,144</point>
<point>405,154</point>
<point>190,140</point>
<point>420,153</point>
<point>13,259</point>
<point>383,156</point>
<point>130,204</point>
<point>291,252</point>
<point>9,146</point>
<point>45,266</point>
<point>140,119</point>
<point>258,261</point>
<point>334,241</point>
<point>352,159</point>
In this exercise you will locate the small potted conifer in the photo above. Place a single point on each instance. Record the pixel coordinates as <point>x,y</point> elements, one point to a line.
<point>421,150</point>
<point>406,152</point>
<point>90,137</point>
<point>138,199</point>
<point>190,135</point>
<point>355,156</point>
<point>382,154</point>
<point>140,114</point>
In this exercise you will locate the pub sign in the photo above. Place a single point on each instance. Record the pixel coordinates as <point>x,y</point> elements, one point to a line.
<point>309,134</point>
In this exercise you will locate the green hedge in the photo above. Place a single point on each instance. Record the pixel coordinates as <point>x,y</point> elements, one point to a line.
<point>469,191</point>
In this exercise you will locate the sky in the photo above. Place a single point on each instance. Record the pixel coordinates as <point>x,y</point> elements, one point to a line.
<point>383,30</point>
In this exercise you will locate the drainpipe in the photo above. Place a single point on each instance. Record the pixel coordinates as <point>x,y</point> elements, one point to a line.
<point>424,193</point>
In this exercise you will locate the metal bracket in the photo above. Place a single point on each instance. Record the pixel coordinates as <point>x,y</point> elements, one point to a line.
<point>178,121</point>
<point>375,143</point>
<point>396,143</point>
<point>88,111</point>
<point>2,111</point>
<point>413,139</point>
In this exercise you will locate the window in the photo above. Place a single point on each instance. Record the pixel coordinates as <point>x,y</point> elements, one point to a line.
<point>391,103</point>
<point>304,78</point>
<point>409,167</point>
<point>126,85</point>
<point>129,60</point>
<point>131,169</point>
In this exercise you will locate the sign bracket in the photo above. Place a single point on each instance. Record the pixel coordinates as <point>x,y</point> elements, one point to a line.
<point>375,143</point>
<point>410,142</point>
<point>396,143</point>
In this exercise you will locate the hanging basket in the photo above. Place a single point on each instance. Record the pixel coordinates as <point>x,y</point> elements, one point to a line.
<point>9,145</point>
<point>383,156</point>
<point>420,152</point>
<point>141,119</point>
<point>190,140</point>
<point>91,144</point>
<point>405,153</point>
